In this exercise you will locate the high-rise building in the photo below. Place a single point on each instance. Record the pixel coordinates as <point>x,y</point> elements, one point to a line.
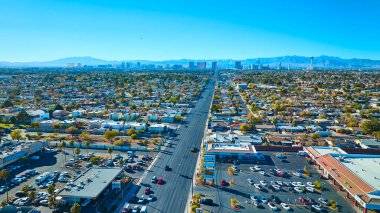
<point>214,65</point>
<point>138,65</point>
<point>238,65</point>
<point>201,65</point>
<point>191,65</point>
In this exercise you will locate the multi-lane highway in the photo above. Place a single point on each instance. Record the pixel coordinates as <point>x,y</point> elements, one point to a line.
<point>173,195</point>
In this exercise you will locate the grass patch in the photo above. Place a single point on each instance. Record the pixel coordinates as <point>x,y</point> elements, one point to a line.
<point>6,126</point>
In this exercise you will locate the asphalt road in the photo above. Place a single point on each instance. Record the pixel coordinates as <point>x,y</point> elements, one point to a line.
<point>173,195</point>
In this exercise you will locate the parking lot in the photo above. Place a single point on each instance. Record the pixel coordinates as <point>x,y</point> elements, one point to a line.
<point>54,162</point>
<point>242,190</point>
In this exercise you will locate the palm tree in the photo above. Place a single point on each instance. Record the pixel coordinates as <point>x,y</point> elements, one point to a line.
<point>4,175</point>
<point>77,151</point>
<point>32,195</point>
<point>50,189</point>
<point>121,162</point>
<point>87,145</point>
<point>110,151</point>
<point>63,147</point>
<point>75,208</point>
<point>72,146</point>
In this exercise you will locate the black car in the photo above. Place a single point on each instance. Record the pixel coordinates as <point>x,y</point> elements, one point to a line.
<point>206,201</point>
<point>167,168</point>
<point>275,199</point>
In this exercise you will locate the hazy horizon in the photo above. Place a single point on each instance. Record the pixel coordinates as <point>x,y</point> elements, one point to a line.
<point>150,30</point>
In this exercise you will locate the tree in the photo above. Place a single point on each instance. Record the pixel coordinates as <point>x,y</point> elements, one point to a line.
<point>315,136</point>
<point>370,126</point>
<point>16,134</point>
<point>62,146</point>
<point>85,136</point>
<point>71,130</point>
<point>376,135</point>
<point>76,208</point>
<point>58,107</point>
<point>133,136</point>
<point>23,117</point>
<point>72,146</point>
<point>131,131</point>
<point>110,150</point>
<point>246,127</point>
<point>87,145</point>
<point>177,119</point>
<point>109,135</point>
<point>95,160</point>
<point>25,188</point>
<point>231,171</point>
<point>32,195</point>
<point>77,151</point>
<point>121,162</point>
<point>7,103</point>
<point>50,189</point>
<point>4,175</point>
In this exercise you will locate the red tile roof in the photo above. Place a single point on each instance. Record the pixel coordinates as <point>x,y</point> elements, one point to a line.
<point>344,176</point>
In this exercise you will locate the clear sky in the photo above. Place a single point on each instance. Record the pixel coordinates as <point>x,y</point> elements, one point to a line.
<point>39,30</point>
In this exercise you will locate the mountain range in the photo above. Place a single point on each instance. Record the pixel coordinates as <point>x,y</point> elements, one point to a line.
<point>321,62</point>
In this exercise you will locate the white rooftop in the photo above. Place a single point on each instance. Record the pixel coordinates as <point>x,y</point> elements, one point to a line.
<point>322,150</point>
<point>366,167</point>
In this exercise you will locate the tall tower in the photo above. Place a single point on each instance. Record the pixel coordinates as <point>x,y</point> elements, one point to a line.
<point>311,63</point>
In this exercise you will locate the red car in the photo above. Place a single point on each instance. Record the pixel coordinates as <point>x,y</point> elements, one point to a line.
<point>303,201</point>
<point>223,183</point>
<point>147,191</point>
<point>160,181</point>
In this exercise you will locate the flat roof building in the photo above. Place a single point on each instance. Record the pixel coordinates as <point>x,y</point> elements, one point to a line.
<point>356,174</point>
<point>226,152</point>
<point>12,151</point>
<point>90,184</point>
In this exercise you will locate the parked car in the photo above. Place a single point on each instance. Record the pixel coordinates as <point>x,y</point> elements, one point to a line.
<point>324,201</point>
<point>285,206</point>
<point>147,191</point>
<point>250,181</point>
<point>263,199</point>
<point>154,179</point>
<point>223,183</point>
<point>272,206</point>
<point>150,197</point>
<point>160,181</point>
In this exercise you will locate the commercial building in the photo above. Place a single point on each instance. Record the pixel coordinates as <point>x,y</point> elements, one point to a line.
<point>238,65</point>
<point>230,152</point>
<point>357,175</point>
<point>201,65</point>
<point>214,65</point>
<point>92,184</point>
<point>12,151</point>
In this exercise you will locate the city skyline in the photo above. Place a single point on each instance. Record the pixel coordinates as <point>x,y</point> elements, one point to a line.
<point>118,30</point>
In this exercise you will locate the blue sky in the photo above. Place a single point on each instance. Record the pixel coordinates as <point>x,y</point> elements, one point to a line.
<point>38,30</point>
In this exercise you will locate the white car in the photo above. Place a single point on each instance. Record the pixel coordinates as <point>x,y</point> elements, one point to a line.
<point>297,174</point>
<point>298,189</point>
<point>136,209</point>
<point>318,208</point>
<point>310,189</point>
<point>285,206</point>
<point>279,182</point>
<point>272,206</point>
<point>294,184</point>
<point>310,184</point>
<point>263,183</point>
<point>141,199</point>
<point>276,187</point>
<point>252,168</point>
<point>323,201</point>
<point>257,186</point>
<point>150,197</point>
<point>250,181</point>
<point>262,173</point>
<point>257,168</point>
<point>234,168</point>
<point>300,184</point>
